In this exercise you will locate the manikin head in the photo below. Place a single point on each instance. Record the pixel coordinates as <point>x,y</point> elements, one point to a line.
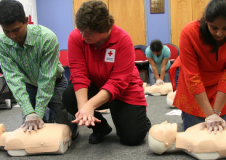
<point>94,21</point>
<point>162,136</point>
<point>13,21</point>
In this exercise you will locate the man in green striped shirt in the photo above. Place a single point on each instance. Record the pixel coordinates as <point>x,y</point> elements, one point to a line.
<point>29,59</point>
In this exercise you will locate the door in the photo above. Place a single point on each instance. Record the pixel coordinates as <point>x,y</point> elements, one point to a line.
<point>78,3</point>
<point>128,14</point>
<point>183,12</point>
<point>198,8</point>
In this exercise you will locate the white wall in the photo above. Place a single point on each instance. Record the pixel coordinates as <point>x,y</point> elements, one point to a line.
<point>30,9</point>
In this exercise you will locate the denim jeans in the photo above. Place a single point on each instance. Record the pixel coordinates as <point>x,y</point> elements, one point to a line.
<point>190,120</point>
<point>177,76</point>
<point>153,79</point>
<point>55,105</point>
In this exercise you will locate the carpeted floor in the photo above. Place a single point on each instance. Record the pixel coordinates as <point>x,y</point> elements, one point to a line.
<point>110,149</point>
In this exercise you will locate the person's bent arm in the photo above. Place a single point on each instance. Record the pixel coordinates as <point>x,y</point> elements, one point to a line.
<point>163,68</point>
<point>47,74</point>
<point>204,103</point>
<point>81,97</point>
<point>15,80</point>
<point>219,101</point>
<point>85,113</point>
<point>154,67</point>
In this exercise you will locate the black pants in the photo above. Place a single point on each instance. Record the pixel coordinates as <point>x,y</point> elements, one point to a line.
<point>130,121</point>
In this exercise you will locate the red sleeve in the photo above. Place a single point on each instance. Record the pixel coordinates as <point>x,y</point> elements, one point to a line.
<point>123,68</point>
<point>222,83</point>
<point>77,63</point>
<point>189,61</point>
<point>172,72</point>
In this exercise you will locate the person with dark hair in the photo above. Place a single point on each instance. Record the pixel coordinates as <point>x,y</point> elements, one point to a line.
<point>201,91</point>
<point>103,75</point>
<point>158,56</point>
<point>29,60</point>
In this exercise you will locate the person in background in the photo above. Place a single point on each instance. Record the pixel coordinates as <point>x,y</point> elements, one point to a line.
<point>29,60</point>
<point>158,56</point>
<point>103,75</point>
<point>201,90</point>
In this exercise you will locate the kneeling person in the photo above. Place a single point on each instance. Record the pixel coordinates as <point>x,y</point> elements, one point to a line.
<point>29,60</point>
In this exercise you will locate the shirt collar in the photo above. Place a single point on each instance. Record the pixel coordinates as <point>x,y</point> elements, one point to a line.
<point>30,36</point>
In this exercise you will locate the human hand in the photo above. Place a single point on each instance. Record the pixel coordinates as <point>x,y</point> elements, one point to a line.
<point>159,82</point>
<point>32,121</point>
<point>213,123</point>
<point>85,116</point>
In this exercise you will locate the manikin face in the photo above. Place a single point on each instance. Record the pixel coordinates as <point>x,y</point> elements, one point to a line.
<point>16,31</point>
<point>218,28</point>
<point>92,37</point>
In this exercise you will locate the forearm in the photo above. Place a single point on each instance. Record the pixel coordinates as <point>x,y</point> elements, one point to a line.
<point>155,72</point>
<point>204,103</point>
<point>44,94</point>
<point>163,70</point>
<point>219,101</point>
<point>81,96</point>
<point>99,99</point>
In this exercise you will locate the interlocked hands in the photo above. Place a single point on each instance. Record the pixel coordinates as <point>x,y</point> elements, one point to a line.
<point>85,116</point>
<point>159,82</point>
<point>213,123</point>
<point>32,122</point>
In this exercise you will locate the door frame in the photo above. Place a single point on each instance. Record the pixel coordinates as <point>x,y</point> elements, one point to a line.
<point>146,22</point>
<point>169,17</point>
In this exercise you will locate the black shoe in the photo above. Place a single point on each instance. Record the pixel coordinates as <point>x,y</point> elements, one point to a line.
<point>98,136</point>
<point>75,135</point>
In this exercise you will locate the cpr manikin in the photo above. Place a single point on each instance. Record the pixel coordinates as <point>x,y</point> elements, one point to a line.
<point>158,90</point>
<point>194,141</point>
<point>170,98</point>
<point>51,139</point>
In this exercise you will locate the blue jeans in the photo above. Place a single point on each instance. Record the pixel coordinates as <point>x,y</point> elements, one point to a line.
<point>190,120</point>
<point>55,105</point>
<point>153,79</point>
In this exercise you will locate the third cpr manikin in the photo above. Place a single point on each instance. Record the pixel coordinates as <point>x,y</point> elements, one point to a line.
<point>194,141</point>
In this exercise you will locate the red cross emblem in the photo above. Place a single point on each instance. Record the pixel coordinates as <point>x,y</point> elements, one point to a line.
<point>110,53</point>
<point>29,20</point>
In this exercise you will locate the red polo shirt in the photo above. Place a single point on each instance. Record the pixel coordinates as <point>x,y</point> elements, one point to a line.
<point>111,67</point>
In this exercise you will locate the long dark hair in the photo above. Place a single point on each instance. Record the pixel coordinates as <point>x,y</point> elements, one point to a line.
<point>214,9</point>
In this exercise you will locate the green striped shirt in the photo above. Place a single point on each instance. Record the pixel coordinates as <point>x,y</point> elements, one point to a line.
<point>35,64</point>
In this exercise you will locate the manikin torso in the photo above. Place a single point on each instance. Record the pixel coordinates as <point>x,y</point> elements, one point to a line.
<point>159,90</point>
<point>52,138</point>
<point>198,143</point>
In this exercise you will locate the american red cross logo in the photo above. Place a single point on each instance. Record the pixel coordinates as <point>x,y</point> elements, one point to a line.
<point>29,20</point>
<point>110,53</point>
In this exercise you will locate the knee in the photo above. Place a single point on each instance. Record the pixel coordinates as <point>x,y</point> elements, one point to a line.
<point>67,95</point>
<point>133,139</point>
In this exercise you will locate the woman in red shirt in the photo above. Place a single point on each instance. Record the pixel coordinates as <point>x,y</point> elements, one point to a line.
<point>201,91</point>
<point>103,75</point>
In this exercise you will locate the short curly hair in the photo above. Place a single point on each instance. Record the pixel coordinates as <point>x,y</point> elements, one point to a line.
<point>94,15</point>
